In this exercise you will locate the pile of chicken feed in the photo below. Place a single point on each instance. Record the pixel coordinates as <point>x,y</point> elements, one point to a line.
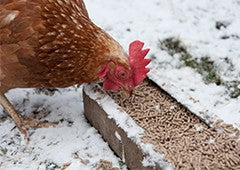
<point>185,140</point>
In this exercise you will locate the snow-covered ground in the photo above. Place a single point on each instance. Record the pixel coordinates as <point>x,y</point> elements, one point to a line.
<point>74,141</point>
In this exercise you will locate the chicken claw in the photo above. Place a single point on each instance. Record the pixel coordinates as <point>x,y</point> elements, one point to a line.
<point>27,123</point>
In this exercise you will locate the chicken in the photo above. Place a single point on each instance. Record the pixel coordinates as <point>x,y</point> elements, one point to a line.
<point>54,44</point>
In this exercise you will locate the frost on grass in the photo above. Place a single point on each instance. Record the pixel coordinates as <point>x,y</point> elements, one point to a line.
<point>211,85</point>
<point>204,65</point>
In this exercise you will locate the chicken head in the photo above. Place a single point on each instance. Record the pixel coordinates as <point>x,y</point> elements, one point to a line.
<point>118,76</point>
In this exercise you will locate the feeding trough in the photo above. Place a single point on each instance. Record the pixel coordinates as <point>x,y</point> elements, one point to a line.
<point>151,130</point>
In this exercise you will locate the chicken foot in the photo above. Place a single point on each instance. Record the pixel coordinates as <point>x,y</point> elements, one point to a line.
<point>23,123</point>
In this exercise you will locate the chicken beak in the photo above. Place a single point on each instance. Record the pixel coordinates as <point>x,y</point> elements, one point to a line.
<point>128,90</point>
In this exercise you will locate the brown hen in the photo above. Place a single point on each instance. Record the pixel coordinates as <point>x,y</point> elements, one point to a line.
<point>53,43</point>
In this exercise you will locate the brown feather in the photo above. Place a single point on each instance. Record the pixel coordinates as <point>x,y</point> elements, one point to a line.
<point>51,43</point>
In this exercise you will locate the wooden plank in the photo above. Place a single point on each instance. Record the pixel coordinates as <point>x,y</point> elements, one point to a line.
<point>124,147</point>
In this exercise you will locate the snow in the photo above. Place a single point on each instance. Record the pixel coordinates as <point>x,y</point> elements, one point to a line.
<point>74,140</point>
<point>194,24</point>
<point>124,121</point>
<point>198,127</point>
<point>118,136</point>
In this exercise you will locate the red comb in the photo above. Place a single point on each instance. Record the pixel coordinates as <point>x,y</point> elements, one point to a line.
<point>137,61</point>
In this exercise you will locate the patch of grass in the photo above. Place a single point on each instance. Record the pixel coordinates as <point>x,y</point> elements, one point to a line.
<point>121,164</point>
<point>221,24</point>
<point>172,46</point>
<point>153,57</point>
<point>3,151</point>
<point>188,61</point>
<point>51,165</point>
<point>234,88</point>
<point>204,66</point>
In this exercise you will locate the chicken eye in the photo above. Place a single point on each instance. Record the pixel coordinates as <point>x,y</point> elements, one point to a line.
<point>122,74</point>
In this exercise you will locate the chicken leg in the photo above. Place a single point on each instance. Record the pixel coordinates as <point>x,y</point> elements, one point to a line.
<point>23,123</point>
